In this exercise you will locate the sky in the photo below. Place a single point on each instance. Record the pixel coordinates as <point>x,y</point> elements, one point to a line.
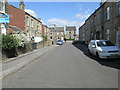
<point>60,13</point>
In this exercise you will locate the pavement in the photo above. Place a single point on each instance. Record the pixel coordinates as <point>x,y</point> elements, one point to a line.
<point>10,66</point>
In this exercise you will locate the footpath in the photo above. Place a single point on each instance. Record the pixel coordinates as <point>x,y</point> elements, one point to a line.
<point>12,65</point>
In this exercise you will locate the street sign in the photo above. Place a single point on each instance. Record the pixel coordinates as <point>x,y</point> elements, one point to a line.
<point>4,18</point>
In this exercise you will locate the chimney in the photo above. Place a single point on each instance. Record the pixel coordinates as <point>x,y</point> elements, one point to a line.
<point>22,5</point>
<point>40,19</point>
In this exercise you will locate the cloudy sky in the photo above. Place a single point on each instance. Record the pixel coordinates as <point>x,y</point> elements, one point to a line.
<point>60,13</point>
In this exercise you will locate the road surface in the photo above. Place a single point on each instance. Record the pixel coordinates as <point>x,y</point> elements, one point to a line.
<point>66,66</point>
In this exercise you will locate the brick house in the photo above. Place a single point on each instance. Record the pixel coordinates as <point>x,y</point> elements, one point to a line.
<point>17,18</point>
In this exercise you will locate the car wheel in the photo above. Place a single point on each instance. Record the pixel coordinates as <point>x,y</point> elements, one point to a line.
<point>97,54</point>
<point>89,52</point>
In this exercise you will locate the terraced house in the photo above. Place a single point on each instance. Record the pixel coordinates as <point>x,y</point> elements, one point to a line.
<point>70,32</point>
<point>104,23</point>
<point>21,21</point>
<point>56,33</point>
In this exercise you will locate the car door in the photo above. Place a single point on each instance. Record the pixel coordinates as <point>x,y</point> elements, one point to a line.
<point>93,49</point>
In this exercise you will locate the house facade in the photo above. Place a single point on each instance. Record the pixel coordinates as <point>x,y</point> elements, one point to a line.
<point>33,26</point>
<point>70,32</point>
<point>16,24</point>
<point>104,23</point>
<point>56,33</point>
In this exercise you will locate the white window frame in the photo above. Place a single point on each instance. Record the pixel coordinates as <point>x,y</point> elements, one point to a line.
<point>31,22</point>
<point>108,34</point>
<point>2,6</point>
<point>27,21</point>
<point>119,8</point>
<point>108,13</point>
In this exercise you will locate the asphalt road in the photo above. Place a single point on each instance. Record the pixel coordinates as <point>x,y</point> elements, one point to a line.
<point>66,66</point>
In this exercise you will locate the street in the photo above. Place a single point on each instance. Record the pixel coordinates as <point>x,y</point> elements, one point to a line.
<point>66,66</point>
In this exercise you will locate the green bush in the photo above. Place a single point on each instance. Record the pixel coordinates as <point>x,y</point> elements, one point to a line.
<point>44,38</point>
<point>9,42</point>
<point>70,39</point>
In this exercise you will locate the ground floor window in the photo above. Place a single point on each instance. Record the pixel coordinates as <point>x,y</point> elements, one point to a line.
<point>50,37</point>
<point>107,34</point>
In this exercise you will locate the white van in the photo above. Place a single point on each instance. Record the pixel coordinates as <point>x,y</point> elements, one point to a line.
<point>103,49</point>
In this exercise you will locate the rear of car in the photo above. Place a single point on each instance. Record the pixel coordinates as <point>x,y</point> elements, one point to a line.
<point>59,42</point>
<point>103,49</point>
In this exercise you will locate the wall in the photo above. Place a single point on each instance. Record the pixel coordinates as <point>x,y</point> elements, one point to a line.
<point>17,17</point>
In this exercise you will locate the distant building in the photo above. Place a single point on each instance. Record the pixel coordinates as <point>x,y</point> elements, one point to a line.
<point>60,33</point>
<point>56,33</point>
<point>70,32</point>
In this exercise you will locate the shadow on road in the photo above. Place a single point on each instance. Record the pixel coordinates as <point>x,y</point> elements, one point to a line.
<point>113,63</point>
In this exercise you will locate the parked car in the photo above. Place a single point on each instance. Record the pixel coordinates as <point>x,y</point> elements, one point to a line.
<point>59,42</point>
<point>103,49</point>
<point>76,42</point>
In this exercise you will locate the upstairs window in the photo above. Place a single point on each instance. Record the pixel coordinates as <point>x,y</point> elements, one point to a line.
<point>119,8</point>
<point>31,22</point>
<point>107,34</point>
<point>27,21</point>
<point>2,6</point>
<point>108,13</point>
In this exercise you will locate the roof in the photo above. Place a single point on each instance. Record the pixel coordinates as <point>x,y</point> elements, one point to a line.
<point>57,29</point>
<point>33,17</point>
<point>26,13</point>
<point>70,28</point>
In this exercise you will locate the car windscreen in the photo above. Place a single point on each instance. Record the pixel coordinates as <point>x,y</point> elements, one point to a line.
<point>59,41</point>
<point>104,43</point>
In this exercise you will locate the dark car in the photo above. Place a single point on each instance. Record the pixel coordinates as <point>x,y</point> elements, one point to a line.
<point>76,42</point>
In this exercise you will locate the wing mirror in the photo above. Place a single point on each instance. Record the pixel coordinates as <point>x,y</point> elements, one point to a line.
<point>93,46</point>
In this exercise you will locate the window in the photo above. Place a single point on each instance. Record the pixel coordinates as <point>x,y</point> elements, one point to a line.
<point>100,18</point>
<point>2,6</point>
<point>118,8</point>
<point>104,43</point>
<point>57,33</point>
<point>50,33</point>
<point>107,34</point>
<point>27,21</point>
<point>108,13</point>
<point>31,22</point>
<point>38,27</point>
<point>50,37</point>
<point>69,32</point>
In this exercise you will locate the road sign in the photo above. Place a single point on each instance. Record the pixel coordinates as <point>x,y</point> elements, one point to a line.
<point>4,18</point>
